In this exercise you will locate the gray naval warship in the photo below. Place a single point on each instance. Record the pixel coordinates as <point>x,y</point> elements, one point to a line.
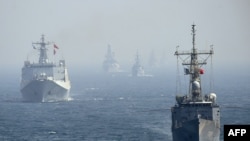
<point>44,81</point>
<point>110,65</point>
<point>137,69</point>
<point>196,116</point>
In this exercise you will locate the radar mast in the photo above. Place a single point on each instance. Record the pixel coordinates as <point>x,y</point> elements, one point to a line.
<point>43,58</point>
<point>194,70</point>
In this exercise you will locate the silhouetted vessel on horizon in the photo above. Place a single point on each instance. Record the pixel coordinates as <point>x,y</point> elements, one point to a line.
<point>195,117</point>
<point>137,69</point>
<point>110,65</point>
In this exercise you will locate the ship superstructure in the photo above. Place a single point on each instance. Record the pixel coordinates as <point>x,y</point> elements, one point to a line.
<point>44,81</point>
<point>137,69</point>
<point>110,64</point>
<point>196,116</point>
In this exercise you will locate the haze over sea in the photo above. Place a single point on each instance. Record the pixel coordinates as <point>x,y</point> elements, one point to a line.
<point>119,108</point>
<point>111,108</point>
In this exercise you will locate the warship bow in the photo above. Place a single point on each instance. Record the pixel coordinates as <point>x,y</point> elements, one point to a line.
<point>44,81</point>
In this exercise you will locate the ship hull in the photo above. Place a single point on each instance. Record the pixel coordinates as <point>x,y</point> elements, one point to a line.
<point>196,122</point>
<point>197,130</point>
<point>45,91</point>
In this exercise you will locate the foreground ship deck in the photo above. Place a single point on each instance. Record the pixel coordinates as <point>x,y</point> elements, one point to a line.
<point>195,117</point>
<point>44,81</point>
<point>196,122</point>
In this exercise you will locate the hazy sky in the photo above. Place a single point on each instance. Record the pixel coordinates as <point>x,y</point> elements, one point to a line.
<point>83,29</point>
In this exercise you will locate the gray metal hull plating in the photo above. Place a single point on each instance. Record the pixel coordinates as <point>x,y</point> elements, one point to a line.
<point>196,123</point>
<point>44,91</point>
<point>197,130</point>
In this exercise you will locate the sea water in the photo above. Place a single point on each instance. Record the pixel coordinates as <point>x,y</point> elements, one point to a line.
<point>110,108</point>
